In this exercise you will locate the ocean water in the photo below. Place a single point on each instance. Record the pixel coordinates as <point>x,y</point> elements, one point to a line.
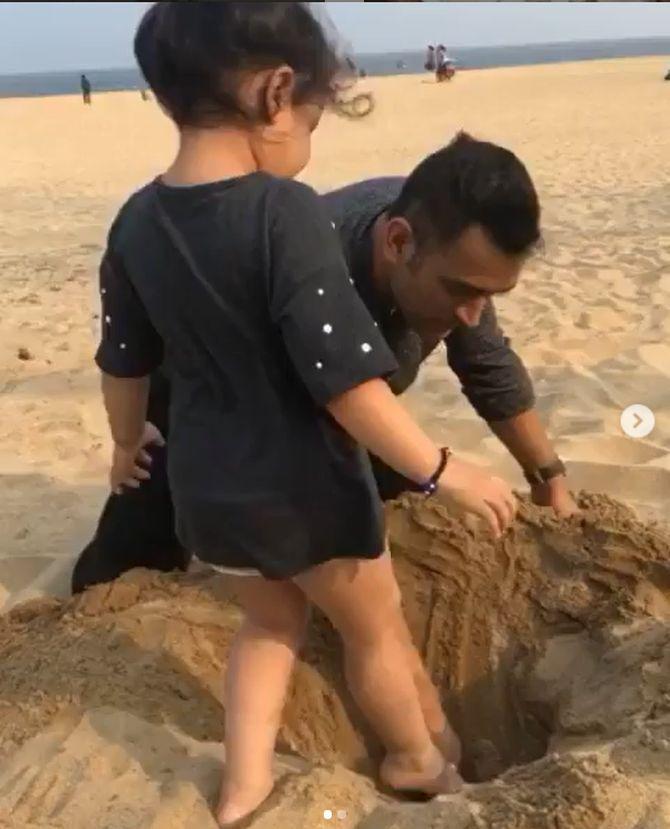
<point>389,63</point>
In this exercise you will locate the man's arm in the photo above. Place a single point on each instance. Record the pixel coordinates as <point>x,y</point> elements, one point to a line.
<point>498,386</point>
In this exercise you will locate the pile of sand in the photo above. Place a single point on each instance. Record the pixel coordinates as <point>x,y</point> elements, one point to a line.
<point>552,649</point>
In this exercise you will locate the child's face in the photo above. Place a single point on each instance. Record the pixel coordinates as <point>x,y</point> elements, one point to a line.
<point>282,145</point>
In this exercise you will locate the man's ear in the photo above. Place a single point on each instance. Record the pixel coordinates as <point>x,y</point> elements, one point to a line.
<point>399,242</point>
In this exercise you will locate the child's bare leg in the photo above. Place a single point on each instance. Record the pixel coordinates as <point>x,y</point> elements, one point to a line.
<point>260,664</point>
<point>362,600</point>
<point>442,734</point>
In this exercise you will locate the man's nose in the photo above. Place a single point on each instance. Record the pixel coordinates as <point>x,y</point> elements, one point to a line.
<point>470,312</point>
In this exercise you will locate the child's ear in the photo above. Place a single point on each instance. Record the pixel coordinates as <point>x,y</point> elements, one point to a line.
<point>279,91</point>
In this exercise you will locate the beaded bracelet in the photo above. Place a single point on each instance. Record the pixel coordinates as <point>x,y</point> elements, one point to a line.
<point>431,484</point>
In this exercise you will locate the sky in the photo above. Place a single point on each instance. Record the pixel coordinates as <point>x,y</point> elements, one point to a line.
<point>40,37</point>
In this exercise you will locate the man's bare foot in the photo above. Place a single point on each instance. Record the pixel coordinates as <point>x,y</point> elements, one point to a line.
<point>432,774</point>
<point>449,744</point>
<point>237,803</point>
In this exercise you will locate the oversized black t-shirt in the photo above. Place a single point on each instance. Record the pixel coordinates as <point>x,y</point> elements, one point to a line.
<point>240,288</point>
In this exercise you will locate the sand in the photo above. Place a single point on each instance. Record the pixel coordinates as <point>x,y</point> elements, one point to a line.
<point>551,649</point>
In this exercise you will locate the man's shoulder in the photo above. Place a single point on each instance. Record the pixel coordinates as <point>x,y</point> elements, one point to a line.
<point>383,190</point>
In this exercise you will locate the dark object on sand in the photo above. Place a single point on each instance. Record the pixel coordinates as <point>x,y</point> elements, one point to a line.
<point>24,354</point>
<point>667,76</point>
<point>357,107</point>
<point>136,529</point>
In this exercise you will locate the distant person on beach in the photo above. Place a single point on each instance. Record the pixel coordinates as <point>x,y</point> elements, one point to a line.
<point>430,63</point>
<point>278,376</point>
<point>144,92</point>
<point>85,89</point>
<point>444,65</point>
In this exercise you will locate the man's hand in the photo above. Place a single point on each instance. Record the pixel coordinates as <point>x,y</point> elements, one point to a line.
<point>129,463</point>
<point>555,493</point>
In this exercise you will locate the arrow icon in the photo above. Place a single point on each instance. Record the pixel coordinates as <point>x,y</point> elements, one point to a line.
<point>637,421</point>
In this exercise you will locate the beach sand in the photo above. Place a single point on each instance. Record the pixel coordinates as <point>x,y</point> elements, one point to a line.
<point>551,649</point>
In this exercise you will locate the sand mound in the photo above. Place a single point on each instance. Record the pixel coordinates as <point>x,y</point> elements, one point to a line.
<point>552,649</point>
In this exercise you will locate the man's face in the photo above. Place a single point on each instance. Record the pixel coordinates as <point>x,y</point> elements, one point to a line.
<point>449,285</point>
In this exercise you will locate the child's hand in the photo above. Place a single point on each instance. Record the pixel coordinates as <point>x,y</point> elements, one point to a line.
<point>129,464</point>
<point>474,491</point>
<point>151,436</point>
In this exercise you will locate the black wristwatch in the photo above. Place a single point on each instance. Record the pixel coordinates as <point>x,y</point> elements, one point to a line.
<point>542,474</point>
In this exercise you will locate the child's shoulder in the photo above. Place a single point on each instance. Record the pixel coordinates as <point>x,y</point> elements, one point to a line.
<point>288,197</point>
<point>128,212</point>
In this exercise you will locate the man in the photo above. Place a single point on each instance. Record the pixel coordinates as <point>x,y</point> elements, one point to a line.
<point>427,255</point>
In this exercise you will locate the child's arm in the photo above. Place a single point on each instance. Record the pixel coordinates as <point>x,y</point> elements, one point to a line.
<point>129,350</point>
<point>126,405</point>
<point>340,355</point>
<point>374,417</point>
<point>126,400</point>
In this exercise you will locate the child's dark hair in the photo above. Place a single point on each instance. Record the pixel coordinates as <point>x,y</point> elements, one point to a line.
<point>190,54</point>
<point>471,182</point>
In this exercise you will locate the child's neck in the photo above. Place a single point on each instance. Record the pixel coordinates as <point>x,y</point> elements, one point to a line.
<point>210,155</point>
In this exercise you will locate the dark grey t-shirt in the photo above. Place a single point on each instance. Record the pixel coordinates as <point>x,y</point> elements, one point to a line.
<point>241,290</point>
<point>492,376</point>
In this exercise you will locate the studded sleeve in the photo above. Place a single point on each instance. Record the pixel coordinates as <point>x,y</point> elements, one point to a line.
<point>129,344</point>
<point>331,338</point>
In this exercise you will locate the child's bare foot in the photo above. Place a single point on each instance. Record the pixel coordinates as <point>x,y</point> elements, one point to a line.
<point>449,744</point>
<point>237,803</point>
<point>432,774</point>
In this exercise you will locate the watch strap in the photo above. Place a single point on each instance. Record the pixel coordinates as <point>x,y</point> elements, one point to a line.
<point>542,474</point>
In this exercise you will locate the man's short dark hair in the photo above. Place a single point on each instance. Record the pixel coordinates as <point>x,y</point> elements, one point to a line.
<point>471,182</point>
<point>191,55</point>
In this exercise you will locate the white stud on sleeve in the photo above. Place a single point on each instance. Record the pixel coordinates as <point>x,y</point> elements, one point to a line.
<point>321,292</point>
<point>108,319</point>
<point>366,348</point>
<point>327,328</point>
<point>319,365</point>
<point>123,345</point>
